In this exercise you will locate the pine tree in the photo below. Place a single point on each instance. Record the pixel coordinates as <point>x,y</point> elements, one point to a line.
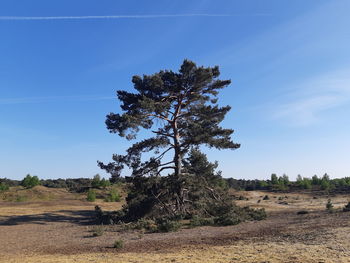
<point>181,110</point>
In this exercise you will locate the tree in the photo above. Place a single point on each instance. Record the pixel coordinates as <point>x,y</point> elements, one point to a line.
<point>180,109</point>
<point>274,179</point>
<point>30,181</point>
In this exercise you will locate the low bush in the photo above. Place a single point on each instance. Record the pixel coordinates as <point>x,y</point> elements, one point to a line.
<point>98,231</point>
<point>167,225</point>
<point>113,196</point>
<point>200,221</point>
<point>91,196</point>
<point>147,225</point>
<point>4,187</point>
<point>21,198</point>
<point>118,244</point>
<point>329,206</point>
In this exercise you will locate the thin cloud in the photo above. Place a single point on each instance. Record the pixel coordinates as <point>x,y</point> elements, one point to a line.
<point>314,97</point>
<point>36,100</point>
<point>106,17</point>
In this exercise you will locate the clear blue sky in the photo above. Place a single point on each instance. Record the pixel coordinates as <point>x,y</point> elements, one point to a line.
<point>289,62</point>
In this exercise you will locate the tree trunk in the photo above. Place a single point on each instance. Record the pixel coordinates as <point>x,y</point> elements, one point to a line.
<point>177,155</point>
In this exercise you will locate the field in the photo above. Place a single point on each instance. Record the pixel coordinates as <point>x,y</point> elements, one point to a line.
<point>53,225</point>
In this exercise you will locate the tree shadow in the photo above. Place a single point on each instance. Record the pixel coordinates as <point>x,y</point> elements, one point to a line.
<point>82,217</point>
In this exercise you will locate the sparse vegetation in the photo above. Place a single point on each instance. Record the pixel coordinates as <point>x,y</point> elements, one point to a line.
<point>91,195</point>
<point>30,181</point>
<point>118,244</point>
<point>167,225</point>
<point>113,196</point>
<point>4,187</point>
<point>329,206</point>
<point>98,231</point>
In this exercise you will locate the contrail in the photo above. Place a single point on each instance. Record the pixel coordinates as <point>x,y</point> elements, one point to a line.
<point>35,100</point>
<point>122,16</point>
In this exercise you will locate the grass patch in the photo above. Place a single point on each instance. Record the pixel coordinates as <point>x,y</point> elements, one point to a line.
<point>118,244</point>
<point>98,231</point>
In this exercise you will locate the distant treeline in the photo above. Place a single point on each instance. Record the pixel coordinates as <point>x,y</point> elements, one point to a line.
<point>275,183</point>
<point>282,183</point>
<point>73,184</point>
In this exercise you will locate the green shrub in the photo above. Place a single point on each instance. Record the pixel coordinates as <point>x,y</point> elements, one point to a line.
<point>167,225</point>
<point>30,181</point>
<point>255,214</point>
<point>91,195</point>
<point>113,196</point>
<point>200,221</point>
<point>21,198</point>
<point>118,244</point>
<point>329,205</point>
<point>98,231</point>
<point>147,225</point>
<point>227,220</point>
<point>4,187</point>
<point>104,183</point>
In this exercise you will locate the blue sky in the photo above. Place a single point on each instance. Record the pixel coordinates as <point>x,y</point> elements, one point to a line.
<point>289,62</point>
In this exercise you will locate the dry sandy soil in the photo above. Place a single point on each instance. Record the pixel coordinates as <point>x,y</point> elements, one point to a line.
<point>60,230</point>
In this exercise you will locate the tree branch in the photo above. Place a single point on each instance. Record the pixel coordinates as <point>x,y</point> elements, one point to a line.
<point>164,134</point>
<point>164,168</point>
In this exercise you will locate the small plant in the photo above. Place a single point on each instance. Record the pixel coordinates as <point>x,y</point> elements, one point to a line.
<point>4,187</point>
<point>21,198</point>
<point>347,207</point>
<point>200,221</point>
<point>91,195</point>
<point>167,225</point>
<point>147,225</point>
<point>118,244</point>
<point>113,196</point>
<point>98,231</point>
<point>329,206</point>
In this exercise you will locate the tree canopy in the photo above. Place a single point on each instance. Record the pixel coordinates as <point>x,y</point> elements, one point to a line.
<point>181,110</point>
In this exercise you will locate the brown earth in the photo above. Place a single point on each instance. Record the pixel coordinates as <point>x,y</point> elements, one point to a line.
<point>60,230</point>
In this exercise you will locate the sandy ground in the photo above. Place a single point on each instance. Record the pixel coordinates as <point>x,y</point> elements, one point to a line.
<point>61,231</point>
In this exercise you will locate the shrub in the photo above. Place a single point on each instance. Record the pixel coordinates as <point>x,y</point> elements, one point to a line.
<point>118,244</point>
<point>21,198</point>
<point>30,181</point>
<point>256,214</point>
<point>96,181</point>
<point>91,195</point>
<point>147,225</point>
<point>167,225</point>
<point>98,231</point>
<point>200,221</point>
<point>329,205</point>
<point>113,196</point>
<point>227,220</point>
<point>4,187</point>
<point>347,207</point>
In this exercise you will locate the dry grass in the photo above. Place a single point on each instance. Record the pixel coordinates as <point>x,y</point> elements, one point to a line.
<point>58,230</point>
